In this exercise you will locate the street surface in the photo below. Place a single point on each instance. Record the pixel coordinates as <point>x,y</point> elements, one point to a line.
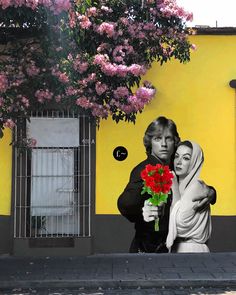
<point>124,291</point>
<point>121,274</point>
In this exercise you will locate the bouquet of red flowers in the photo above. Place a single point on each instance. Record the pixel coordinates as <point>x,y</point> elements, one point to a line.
<point>157,181</point>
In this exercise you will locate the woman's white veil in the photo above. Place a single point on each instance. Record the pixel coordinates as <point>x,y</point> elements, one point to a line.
<point>194,167</point>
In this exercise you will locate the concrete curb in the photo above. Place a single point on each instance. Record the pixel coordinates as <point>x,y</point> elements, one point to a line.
<point>94,284</point>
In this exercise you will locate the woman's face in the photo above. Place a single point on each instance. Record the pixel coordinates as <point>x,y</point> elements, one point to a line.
<point>182,160</point>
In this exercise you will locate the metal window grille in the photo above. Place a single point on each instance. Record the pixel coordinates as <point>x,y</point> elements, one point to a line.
<point>52,181</point>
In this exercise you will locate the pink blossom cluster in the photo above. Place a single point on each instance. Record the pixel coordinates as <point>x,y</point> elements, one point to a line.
<point>83,83</point>
<point>62,77</point>
<point>100,88</point>
<point>3,82</point>
<point>79,64</point>
<point>145,94</point>
<point>97,110</point>
<point>121,92</point>
<point>43,95</point>
<point>72,19</point>
<point>106,9</point>
<point>170,8</point>
<point>1,101</point>
<point>84,102</point>
<point>100,111</point>
<point>56,6</point>
<point>143,31</point>
<point>31,142</point>
<point>92,11</point>
<point>32,69</point>
<point>15,73</point>
<point>121,51</point>
<point>107,28</point>
<point>24,100</point>
<point>112,69</point>
<point>122,70</point>
<point>70,91</point>
<point>9,123</point>
<point>135,102</point>
<point>28,142</point>
<point>84,22</point>
<point>100,59</point>
<point>142,97</point>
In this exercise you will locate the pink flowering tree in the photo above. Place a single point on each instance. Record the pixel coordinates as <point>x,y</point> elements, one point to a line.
<point>87,55</point>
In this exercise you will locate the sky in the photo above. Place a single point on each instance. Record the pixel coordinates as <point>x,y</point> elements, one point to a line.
<point>211,12</point>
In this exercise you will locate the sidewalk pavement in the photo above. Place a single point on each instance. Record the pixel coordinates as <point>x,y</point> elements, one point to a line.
<point>119,270</point>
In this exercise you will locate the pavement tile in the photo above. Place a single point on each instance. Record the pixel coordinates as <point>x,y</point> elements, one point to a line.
<point>175,269</point>
<point>107,269</point>
<point>229,269</point>
<point>151,269</point>
<point>210,268</point>
<point>207,269</point>
<point>128,276</point>
<point>220,275</point>
<point>162,276</point>
<point>104,276</point>
<point>167,292</point>
<point>163,264</point>
<point>211,264</point>
<point>117,268</point>
<point>228,265</point>
<point>195,276</point>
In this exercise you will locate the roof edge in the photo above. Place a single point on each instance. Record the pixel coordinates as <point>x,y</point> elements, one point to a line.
<point>204,30</point>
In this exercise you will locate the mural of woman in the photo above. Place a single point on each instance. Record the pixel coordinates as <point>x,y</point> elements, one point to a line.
<point>189,230</point>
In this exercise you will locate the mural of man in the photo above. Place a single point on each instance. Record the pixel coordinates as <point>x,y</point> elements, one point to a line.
<point>160,140</point>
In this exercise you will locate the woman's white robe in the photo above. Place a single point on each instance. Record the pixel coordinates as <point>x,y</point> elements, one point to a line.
<point>185,222</point>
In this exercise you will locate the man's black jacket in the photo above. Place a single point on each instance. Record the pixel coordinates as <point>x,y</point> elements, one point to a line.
<point>130,204</point>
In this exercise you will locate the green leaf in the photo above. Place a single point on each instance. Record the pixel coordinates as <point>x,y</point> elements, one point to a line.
<point>158,199</point>
<point>163,198</point>
<point>144,190</point>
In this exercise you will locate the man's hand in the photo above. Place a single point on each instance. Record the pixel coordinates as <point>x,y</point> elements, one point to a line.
<point>204,200</point>
<point>151,212</point>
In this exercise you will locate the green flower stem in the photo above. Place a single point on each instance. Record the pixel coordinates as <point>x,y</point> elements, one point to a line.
<point>157,224</point>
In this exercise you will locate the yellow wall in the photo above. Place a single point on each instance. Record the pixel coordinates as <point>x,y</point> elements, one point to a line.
<point>198,98</point>
<point>5,173</point>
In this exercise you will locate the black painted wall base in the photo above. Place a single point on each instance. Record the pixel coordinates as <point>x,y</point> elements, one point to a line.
<point>111,234</point>
<point>223,238</point>
<point>5,235</point>
<point>52,247</point>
